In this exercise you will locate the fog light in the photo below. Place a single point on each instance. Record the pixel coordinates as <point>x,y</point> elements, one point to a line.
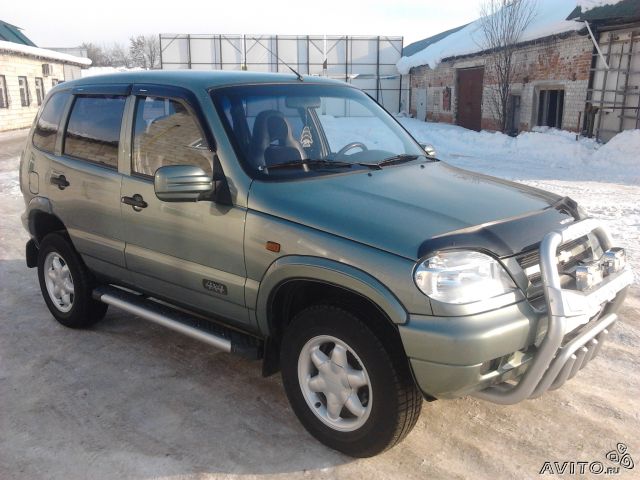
<point>614,260</point>
<point>587,276</point>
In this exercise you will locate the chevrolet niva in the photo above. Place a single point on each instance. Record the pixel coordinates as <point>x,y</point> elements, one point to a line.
<point>293,220</point>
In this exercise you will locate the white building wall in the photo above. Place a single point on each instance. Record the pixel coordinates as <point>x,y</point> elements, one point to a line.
<point>11,67</point>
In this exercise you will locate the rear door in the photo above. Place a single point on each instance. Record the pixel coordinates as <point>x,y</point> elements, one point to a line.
<point>190,253</point>
<point>83,181</point>
<point>470,84</point>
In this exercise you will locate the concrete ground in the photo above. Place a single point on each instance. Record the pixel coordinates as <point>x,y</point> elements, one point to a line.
<point>130,400</point>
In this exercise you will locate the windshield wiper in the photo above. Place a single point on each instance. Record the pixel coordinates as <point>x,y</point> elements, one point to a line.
<point>310,163</point>
<point>396,159</point>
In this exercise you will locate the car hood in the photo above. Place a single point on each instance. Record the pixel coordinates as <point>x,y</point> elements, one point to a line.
<point>401,209</point>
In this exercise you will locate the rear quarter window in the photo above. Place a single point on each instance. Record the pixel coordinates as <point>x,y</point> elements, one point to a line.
<point>46,131</point>
<point>93,130</point>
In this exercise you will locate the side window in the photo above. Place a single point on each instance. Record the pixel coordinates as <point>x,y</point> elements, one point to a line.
<point>165,133</point>
<point>25,97</point>
<point>39,90</point>
<point>93,130</point>
<point>4,101</point>
<point>44,136</point>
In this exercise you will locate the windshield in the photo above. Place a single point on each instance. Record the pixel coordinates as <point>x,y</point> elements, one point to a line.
<point>306,129</point>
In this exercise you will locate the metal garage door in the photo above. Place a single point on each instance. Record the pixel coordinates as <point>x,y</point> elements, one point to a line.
<point>470,98</point>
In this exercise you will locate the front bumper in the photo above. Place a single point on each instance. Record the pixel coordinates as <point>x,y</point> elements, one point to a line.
<point>495,355</point>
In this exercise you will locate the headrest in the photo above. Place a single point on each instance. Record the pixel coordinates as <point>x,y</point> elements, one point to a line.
<point>278,128</point>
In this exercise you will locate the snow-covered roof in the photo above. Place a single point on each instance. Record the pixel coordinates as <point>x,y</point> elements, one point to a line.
<point>42,53</point>
<point>587,5</point>
<point>550,20</point>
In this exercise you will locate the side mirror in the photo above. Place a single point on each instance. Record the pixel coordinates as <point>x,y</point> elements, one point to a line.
<point>429,149</point>
<point>182,183</point>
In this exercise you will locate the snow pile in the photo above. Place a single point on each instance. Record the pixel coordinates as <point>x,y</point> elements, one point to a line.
<point>42,53</point>
<point>550,19</point>
<point>544,152</point>
<point>623,149</point>
<point>587,5</point>
<point>93,71</point>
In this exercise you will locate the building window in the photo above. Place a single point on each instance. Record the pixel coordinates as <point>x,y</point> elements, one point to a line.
<point>25,98</point>
<point>93,129</point>
<point>54,82</point>
<point>550,108</point>
<point>4,100</point>
<point>39,90</point>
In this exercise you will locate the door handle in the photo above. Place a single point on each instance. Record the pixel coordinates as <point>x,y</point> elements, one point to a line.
<point>137,202</point>
<point>59,180</point>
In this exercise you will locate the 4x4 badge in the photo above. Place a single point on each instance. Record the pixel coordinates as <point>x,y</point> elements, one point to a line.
<point>215,287</point>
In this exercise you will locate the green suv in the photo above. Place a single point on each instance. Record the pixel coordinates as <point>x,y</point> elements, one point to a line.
<point>293,220</point>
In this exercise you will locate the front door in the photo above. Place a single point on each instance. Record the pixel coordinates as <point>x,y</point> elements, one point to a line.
<point>421,104</point>
<point>470,84</point>
<point>190,253</point>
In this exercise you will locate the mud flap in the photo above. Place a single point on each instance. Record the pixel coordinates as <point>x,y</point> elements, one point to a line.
<point>31,253</point>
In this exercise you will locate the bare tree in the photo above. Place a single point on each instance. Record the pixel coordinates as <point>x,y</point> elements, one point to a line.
<point>503,22</point>
<point>119,56</point>
<point>96,53</point>
<point>145,51</point>
<point>152,49</point>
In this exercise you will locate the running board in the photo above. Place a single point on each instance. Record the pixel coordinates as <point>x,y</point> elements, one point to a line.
<point>190,325</point>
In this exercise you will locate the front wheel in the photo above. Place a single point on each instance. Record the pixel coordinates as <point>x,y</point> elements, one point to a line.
<point>344,386</point>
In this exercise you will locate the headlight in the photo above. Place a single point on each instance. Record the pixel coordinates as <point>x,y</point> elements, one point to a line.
<point>462,277</point>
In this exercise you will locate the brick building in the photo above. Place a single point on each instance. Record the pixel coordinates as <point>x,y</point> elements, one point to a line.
<point>27,73</point>
<point>556,72</point>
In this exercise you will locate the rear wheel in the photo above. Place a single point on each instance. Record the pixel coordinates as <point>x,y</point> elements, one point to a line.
<point>344,386</point>
<point>66,284</point>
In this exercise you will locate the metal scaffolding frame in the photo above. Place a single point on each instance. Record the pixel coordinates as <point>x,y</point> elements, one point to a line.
<point>368,62</point>
<point>614,93</point>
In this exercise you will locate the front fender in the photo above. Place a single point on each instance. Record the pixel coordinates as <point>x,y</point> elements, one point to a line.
<point>295,267</point>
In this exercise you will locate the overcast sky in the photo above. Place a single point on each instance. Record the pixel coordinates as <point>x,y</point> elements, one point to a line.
<point>67,23</point>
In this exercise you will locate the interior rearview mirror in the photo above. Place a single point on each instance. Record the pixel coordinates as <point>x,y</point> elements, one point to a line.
<point>182,183</point>
<point>302,102</point>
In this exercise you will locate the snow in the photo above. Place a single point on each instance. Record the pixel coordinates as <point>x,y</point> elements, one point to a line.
<point>603,179</point>
<point>42,53</point>
<point>93,71</point>
<point>550,19</point>
<point>587,5</point>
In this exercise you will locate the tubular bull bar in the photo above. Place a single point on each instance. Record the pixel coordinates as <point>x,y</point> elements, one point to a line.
<point>554,363</point>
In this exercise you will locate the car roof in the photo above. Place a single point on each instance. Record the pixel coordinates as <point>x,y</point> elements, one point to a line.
<point>196,80</point>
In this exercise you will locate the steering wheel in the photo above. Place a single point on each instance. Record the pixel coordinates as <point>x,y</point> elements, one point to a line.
<point>350,146</point>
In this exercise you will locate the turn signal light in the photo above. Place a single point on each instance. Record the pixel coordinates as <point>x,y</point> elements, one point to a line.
<point>272,246</point>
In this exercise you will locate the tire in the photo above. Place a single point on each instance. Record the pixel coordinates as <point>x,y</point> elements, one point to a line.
<point>66,284</point>
<point>387,402</point>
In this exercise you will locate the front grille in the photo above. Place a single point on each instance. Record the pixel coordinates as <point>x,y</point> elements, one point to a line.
<point>570,255</point>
